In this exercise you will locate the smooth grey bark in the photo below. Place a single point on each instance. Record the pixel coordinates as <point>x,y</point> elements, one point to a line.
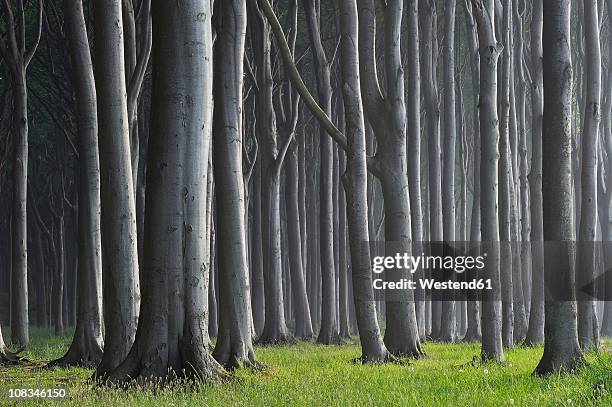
<point>588,324</point>
<point>6,356</point>
<point>121,291</point>
<point>138,44</point>
<point>341,244</point>
<point>387,114</point>
<point>413,135</point>
<point>535,331</point>
<point>561,347</point>
<point>87,343</point>
<point>303,322</point>
<point>448,321</point>
<point>256,250</point>
<point>17,59</point>
<point>355,183</point>
<point>474,333</point>
<point>288,123</point>
<point>328,333</point>
<point>505,179</point>
<point>490,51</point>
<point>606,323</point>
<point>275,328</point>
<point>234,347</point>
<point>172,338</point>
<point>364,278</point>
<point>428,15</point>
<point>523,227</point>
<point>213,303</point>
<point>344,260</point>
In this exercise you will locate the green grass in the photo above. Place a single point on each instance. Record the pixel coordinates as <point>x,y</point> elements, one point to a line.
<point>309,374</point>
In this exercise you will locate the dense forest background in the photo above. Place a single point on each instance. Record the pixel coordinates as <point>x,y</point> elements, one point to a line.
<point>172,172</point>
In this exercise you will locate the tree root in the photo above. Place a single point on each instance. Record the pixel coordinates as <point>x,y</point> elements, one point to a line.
<point>8,358</point>
<point>281,339</point>
<point>386,359</point>
<point>563,364</point>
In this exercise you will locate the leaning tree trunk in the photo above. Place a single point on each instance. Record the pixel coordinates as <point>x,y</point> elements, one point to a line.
<point>234,347</point>
<point>119,253</point>
<point>355,182</point>
<point>172,338</point>
<point>490,50</point>
<point>588,326</point>
<point>561,348</point>
<point>535,331</point>
<point>357,207</point>
<point>86,347</point>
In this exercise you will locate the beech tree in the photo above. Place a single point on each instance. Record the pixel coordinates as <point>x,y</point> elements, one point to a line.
<point>355,182</point>
<point>119,255</point>
<point>561,348</point>
<point>86,347</point>
<point>535,332</point>
<point>172,337</point>
<point>490,51</point>
<point>290,102</point>
<point>272,157</point>
<point>473,307</point>
<point>588,324</point>
<point>328,333</point>
<point>234,347</point>
<point>429,36</point>
<point>448,320</point>
<point>387,114</point>
<point>14,51</point>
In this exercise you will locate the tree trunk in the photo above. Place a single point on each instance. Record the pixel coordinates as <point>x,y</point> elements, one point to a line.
<point>275,329</point>
<point>328,333</point>
<point>86,347</point>
<point>523,250</point>
<point>120,257</point>
<point>58,281</point>
<point>6,356</point>
<point>355,182</point>
<point>588,324</point>
<point>606,323</point>
<point>413,135</point>
<point>561,348</point>
<point>448,321</point>
<point>474,333</point>
<point>388,117</point>
<point>505,180</point>
<point>490,50</point>
<point>172,337</point>
<point>19,269</point>
<point>535,331</point>
<point>234,348</point>
<point>432,131</point>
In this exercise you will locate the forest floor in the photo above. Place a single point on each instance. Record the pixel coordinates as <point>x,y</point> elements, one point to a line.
<point>310,374</point>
